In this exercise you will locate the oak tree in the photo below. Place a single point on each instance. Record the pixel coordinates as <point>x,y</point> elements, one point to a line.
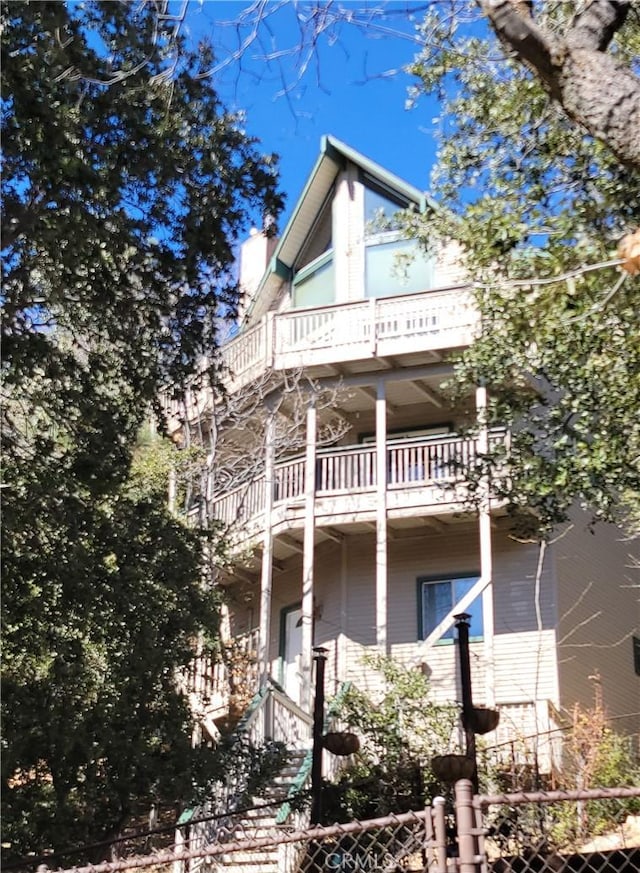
<point>125,184</point>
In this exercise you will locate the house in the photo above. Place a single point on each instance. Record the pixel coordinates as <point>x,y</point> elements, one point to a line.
<point>366,541</point>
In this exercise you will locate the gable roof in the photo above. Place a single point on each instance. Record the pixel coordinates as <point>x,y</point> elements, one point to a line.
<point>334,157</point>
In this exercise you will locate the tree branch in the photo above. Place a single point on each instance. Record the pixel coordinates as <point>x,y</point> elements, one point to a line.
<point>517,31</point>
<point>597,24</point>
<point>594,89</point>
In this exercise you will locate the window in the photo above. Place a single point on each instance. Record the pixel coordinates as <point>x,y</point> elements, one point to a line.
<point>636,655</point>
<point>396,267</point>
<point>380,210</point>
<point>437,596</point>
<point>315,285</point>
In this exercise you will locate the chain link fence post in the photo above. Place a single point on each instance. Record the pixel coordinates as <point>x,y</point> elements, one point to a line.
<point>440,836</point>
<point>465,825</point>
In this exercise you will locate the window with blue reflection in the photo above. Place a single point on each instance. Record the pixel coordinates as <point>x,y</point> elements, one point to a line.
<point>438,596</point>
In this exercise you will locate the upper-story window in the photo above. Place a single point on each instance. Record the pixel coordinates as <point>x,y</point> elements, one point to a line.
<point>315,284</point>
<point>314,281</point>
<point>380,211</point>
<point>393,264</point>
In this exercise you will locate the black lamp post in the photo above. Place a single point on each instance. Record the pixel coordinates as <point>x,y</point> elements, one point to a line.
<point>462,625</point>
<point>320,658</point>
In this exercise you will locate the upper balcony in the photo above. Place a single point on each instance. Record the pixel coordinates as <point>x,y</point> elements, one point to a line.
<point>424,476</point>
<point>417,327</point>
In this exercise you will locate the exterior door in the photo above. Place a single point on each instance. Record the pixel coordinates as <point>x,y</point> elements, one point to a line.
<point>291,651</point>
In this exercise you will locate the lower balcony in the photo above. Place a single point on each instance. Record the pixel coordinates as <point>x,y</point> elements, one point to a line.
<point>423,475</point>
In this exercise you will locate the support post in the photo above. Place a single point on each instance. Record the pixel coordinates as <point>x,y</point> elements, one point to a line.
<point>381,519</point>
<point>266,576</point>
<point>486,559</point>
<point>440,835</point>
<point>465,825</point>
<point>320,658</point>
<point>308,556</point>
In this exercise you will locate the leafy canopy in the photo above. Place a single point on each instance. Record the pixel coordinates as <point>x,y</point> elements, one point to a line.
<point>530,196</point>
<point>125,183</point>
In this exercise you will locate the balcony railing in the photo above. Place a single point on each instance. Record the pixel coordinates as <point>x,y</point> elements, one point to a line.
<point>410,463</point>
<point>349,331</point>
<point>386,326</point>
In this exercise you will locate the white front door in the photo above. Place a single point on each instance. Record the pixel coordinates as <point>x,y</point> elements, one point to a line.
<point>291,648</point>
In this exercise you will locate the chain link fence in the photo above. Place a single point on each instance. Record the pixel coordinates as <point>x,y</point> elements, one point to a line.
<point>595,831</point>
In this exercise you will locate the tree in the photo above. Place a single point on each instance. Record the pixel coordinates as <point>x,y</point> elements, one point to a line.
<point>125,184</point>
<point>538,207</point>
<point>595,89</point>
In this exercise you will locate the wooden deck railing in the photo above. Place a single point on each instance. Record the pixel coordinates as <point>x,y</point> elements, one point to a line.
<point>347,331</point>
<point>352,469</point>
<point>429,320</point>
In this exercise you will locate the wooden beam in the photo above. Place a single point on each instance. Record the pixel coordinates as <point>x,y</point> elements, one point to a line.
<point>372,395</point>
<point>240,575</point>
<point>431,395</point>
<point>387,363</point>
<point>291,543</point>
<point>356,380</point>
<point>332,534</point>
<point>435,523</point>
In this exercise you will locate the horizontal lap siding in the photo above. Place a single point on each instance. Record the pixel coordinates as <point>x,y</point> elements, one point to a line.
<point>525,667</point>
<point>599,611</point>
<point>448,267</point>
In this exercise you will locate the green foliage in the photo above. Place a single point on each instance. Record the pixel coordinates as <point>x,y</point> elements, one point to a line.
<point>399,734</point>
<point>595,756</point>
<point>125,185</point>
<point>101,600</point>
<point>156,459</point>
<point>530,196</point>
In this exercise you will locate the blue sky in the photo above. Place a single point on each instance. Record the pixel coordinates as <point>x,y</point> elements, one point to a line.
<point>344,92</point>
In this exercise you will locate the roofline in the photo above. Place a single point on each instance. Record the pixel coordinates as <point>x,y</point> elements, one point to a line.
<point>329,145</point>
<point>339,153</point>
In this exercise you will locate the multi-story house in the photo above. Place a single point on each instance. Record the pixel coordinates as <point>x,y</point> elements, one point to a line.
<point>371,543</point>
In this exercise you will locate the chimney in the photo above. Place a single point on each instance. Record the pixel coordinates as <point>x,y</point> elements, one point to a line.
<point>255,254</point>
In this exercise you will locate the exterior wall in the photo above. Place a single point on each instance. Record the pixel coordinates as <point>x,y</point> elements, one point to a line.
<point>599,611</point>
<point>345,612</point>
<point>448,271</point>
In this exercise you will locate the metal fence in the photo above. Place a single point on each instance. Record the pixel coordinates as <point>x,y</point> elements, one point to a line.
<point>595,831</point>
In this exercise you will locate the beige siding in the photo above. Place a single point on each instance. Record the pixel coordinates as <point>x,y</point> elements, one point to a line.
<point>524,656</point>
<point>599,611</point>
<point>449,270</point>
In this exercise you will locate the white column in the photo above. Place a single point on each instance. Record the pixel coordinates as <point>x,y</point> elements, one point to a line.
<point>267,549</point>
<point>307,557</point>
<point>381,519</point>
<point>486,557</point>
<point>341,660</point>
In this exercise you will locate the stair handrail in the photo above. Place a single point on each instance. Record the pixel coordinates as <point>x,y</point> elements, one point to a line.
<point>228,799</point>
<point>304,772</point>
